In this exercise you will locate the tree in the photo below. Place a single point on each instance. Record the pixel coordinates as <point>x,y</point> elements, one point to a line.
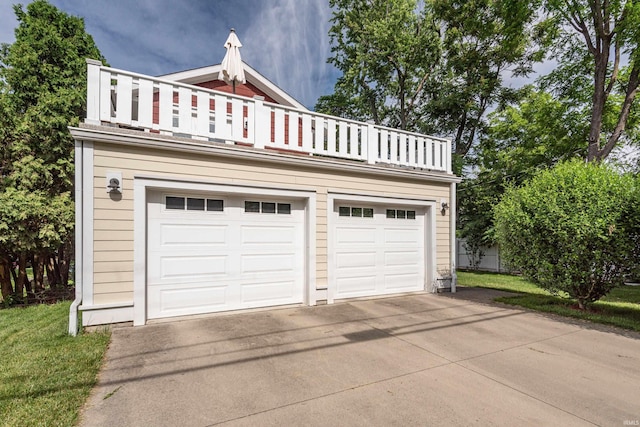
<point>483,41</point>
<point>571,229</point>
<point>43,92</point>
<point>387,52</point>
<point>583,108</point>
<point>598,36</point>
<point>432,67</point>
<point>520,141</point>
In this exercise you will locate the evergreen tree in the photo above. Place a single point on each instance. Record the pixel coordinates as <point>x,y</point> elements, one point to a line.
<point>43,92</point>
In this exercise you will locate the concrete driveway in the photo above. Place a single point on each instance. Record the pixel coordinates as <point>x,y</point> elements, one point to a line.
<point>411,360</point>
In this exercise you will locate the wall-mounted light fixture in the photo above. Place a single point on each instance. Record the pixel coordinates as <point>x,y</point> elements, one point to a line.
<point>114,182</point>
<point>444,205</point>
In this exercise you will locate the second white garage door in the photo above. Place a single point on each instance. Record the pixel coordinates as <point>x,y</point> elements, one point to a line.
<point>209,253</point>
<point>377,249</point>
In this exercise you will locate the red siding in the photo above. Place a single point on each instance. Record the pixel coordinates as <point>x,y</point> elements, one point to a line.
<point>246,89</point>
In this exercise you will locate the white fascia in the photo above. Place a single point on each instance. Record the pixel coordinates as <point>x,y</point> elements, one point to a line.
<point>73,310</point>
<point>145,140</point>
<point>452,237</point>
<point>87,224</point>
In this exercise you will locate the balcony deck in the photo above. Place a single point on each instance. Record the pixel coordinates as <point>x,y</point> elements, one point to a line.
<point>134,101</point>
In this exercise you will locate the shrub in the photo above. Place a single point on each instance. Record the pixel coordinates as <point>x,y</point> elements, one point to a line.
<point>573,228</point>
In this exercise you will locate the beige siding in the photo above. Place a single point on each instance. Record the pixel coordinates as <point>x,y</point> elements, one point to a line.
<point>112,288</point>
<point>113,219</point>
<point>113,256</point>
<point>113,224</point>
<point>112,297</point>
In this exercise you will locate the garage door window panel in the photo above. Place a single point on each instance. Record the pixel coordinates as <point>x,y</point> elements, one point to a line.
<point>214,205</point>
<point>194,204</point>
<point>175,203</point>
<point>284,208</point>
<point>268,207</point>
<point>400,214</point>
<point>197,204</point>
<point>251,206</point>
<point>355,212</point>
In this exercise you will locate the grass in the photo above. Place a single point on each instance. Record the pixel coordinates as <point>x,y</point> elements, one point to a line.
<point>45,374</point>
<point>620,308</point>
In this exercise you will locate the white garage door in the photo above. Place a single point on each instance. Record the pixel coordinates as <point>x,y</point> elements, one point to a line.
<point>209,253</point>
<point>377,250</point>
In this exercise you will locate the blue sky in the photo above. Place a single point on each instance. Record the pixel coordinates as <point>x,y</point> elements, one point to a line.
<point>285,40</point>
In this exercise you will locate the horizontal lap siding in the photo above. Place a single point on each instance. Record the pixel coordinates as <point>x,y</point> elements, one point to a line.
<point>113,220</point>
<point>112,297</point>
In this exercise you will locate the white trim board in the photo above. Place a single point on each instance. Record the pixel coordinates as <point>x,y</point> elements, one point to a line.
<point>87,223</point>
<point>142,186</point>
<point>109,135</point>
<point>452,236</point>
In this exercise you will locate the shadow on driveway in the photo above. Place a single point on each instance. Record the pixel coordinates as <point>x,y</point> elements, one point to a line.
<point>418,359</point>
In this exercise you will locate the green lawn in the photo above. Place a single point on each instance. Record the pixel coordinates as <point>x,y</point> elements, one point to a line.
<point>45,375</point>
<point>620,308</point>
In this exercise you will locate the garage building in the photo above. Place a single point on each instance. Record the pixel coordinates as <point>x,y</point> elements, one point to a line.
<point>193,200</point>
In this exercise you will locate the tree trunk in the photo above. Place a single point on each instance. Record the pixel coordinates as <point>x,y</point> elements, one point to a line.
<point>65,254</point>
<point>23,280</point>
<point>38,271</point>
<point>459,150</point>
<point>13,271</point>
<point>630,95</point>
<point>403,110</point>
<point>601,60</point>
<point>5,277</point>
<point>53,277</point>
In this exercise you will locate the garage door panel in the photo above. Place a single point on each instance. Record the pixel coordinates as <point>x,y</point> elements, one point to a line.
<point>192,267</point>
<point>351,235</point>
<point>268,263</point>
<point>268,234</point>
<point>268,293</point>
<point>346,260</point>
<point>193,234</point>
<point>402,236</point>
<point>355,286</point>
<point>401,258</point>
<point>193,299</point>
<point>401,282</point>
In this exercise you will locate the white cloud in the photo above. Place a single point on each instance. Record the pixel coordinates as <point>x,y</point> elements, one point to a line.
<point>286,40</point>
<point>290,45</point>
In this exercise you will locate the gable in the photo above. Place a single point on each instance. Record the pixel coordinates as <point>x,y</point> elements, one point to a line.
<point>256,84</point>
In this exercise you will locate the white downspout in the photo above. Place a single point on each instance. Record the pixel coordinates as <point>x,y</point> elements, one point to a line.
<point>452,238</point>
<point>73,311</point>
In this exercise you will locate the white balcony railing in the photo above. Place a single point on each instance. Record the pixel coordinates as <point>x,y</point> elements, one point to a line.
<point>166,107</point>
